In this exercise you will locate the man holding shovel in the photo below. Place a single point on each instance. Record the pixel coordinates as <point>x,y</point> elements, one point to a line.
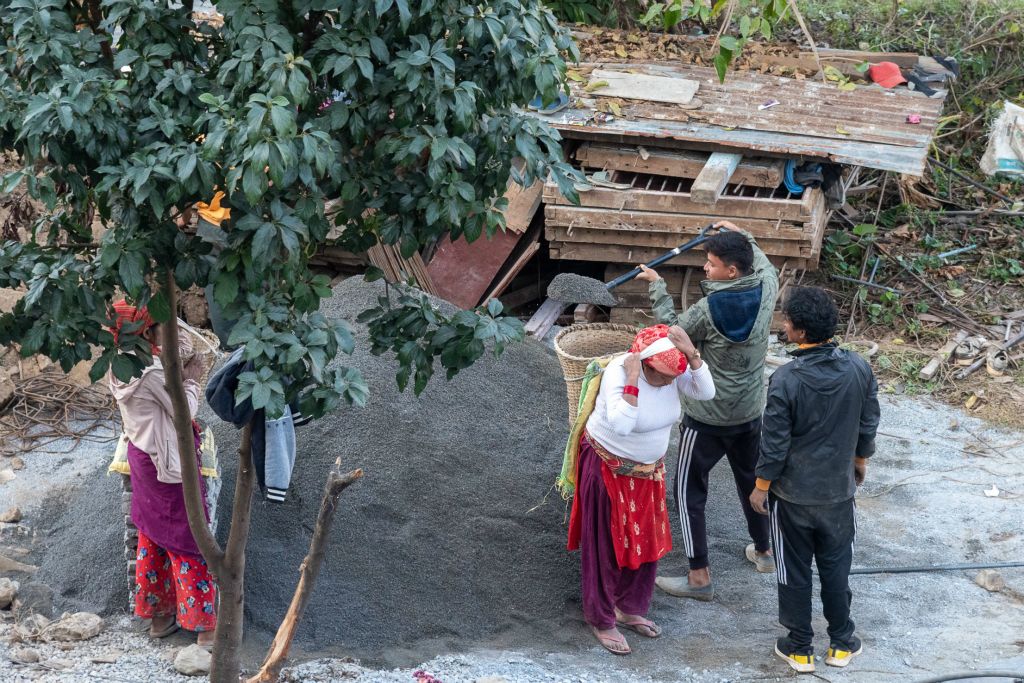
<point>730,328</point>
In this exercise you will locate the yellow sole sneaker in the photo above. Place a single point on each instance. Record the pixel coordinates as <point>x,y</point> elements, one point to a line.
<point>802,663</point>
<point>840,658</point>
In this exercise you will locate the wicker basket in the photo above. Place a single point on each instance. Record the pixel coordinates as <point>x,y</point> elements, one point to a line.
<point>578,345</point>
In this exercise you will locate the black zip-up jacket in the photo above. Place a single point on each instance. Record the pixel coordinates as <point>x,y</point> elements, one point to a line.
<point>822,411</point>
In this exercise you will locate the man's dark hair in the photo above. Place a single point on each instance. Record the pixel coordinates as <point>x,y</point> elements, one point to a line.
<point>733,249</point>
<point>812,310</point>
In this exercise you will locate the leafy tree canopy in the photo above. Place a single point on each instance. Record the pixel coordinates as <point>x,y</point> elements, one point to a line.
<point>126,112</point>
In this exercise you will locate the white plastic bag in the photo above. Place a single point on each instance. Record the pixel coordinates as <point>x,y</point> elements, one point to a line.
<point>1005,151</point>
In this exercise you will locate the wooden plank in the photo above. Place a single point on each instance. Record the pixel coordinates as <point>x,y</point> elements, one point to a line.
<point>544,318</point>
<point>713,177</point>
<point>586,313</point>
<point>806,108</point>
<point>512,271</point>
<point>727,206</point>
<point>523,295</point>
<point>807,123</point>
<point>522,205</point>
<point>607,253</point>
<point>677,164</point>
<point>905,60</point>
<point>680,224</point>
<point>929,371</point>
<point>664,241</point>
<point>634,86</point>
<point>462,271</point>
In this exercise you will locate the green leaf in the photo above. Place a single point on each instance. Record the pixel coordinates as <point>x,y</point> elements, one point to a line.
<point>745,26</point>
<point>122,367</point>
<point>729,42</point>
<point>160,308</point>
<point>225,289</point>
<point>721,62</point>
<point>131,267</point>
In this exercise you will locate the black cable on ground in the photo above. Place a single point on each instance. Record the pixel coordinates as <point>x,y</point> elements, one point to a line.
<point>932,568</point>
<point>962,675</point>
<point>972,181</point>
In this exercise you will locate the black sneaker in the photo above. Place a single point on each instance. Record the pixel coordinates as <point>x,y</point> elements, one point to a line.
<point>840,655</point>
<point>802,661</point>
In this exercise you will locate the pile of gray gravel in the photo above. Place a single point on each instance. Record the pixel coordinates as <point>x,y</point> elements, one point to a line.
<point>454,539</point>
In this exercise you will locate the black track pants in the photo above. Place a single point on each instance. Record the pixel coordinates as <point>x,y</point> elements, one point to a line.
<point>825,533</point>
<point>699,452</point>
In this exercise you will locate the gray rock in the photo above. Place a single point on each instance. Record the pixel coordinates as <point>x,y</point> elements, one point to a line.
<point>11,515</point>
<point>193,661</point>
<point>78,626</point>
<point>31,626</point>
<point>23,655</point>
<point>8,590</point>
<point>990,580</point>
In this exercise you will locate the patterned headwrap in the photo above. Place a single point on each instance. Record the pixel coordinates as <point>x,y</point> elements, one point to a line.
<point>126,313</point>
<point>669,362</point>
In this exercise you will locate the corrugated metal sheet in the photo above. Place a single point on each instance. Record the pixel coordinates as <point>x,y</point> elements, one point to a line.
<point>866,126</point>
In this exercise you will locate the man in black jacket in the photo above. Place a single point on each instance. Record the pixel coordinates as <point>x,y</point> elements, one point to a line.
<point>818,432</point>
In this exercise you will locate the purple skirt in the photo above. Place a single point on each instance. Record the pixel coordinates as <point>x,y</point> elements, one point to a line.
<point>158,509</point>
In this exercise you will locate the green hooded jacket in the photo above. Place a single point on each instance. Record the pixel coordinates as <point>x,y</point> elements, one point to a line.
<point>730,327</point>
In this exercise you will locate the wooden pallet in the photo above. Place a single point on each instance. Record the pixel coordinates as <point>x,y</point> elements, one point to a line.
<point>657,213</point>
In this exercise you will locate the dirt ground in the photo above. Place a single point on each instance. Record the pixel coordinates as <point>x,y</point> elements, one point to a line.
<point>924,503</point>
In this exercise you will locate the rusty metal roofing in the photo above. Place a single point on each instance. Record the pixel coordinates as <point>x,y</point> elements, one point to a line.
<point>865,126</point>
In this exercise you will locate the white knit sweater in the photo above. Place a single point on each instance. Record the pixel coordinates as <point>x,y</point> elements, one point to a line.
<point>641,433</point>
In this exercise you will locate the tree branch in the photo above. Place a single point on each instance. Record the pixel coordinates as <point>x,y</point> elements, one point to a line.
<point>182,418</point>
<point>309,30</point>
<point>241,512</point>
<point>308,572</point>
<point>95,19</point>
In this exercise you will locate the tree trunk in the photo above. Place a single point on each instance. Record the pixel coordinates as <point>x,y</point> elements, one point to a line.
<point>227,649</point>
<point>308,572</point>
<point>226,565</point>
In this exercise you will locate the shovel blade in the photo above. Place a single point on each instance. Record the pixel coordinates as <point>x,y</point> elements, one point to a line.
<point>571,288</point>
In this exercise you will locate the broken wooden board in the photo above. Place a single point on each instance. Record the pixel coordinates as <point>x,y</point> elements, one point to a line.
<point>523,203</point>
<point>713,178</point>
<point>463,271</point>
<point>545,317</point>
<point>677,163</point>
<point>638,86</point>
<point>514,268</point>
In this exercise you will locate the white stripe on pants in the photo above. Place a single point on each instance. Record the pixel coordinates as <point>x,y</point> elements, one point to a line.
<point>682,475</point>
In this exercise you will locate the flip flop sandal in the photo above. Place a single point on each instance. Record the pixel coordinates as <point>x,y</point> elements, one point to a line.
<point>173,627</point>
<point>645,627</point>
<point>610,643</point>
<point>537,104</point>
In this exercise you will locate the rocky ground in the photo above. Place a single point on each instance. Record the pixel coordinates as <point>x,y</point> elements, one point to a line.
<point>503,604</point>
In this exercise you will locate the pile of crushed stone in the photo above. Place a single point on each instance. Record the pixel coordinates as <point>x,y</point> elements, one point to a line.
<point>453,539</point>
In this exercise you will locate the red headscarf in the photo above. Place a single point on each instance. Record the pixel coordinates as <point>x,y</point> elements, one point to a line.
<point>126,313</point>
<point>670,362</point>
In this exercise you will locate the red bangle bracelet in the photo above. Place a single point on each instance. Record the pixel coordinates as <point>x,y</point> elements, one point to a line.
<point>631,390</point>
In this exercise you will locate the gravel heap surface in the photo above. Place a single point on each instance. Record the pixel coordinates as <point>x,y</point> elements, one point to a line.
<point>454,538</point>
<point>577,289</point>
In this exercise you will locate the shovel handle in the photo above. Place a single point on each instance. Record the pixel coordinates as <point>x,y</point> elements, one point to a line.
<point>695,242</point>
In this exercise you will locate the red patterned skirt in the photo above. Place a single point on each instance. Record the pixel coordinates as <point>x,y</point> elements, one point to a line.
<point>640,527</point>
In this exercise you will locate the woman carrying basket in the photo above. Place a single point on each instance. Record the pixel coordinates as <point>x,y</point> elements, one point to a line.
<point>173,587</point>
<point>619,520</point>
